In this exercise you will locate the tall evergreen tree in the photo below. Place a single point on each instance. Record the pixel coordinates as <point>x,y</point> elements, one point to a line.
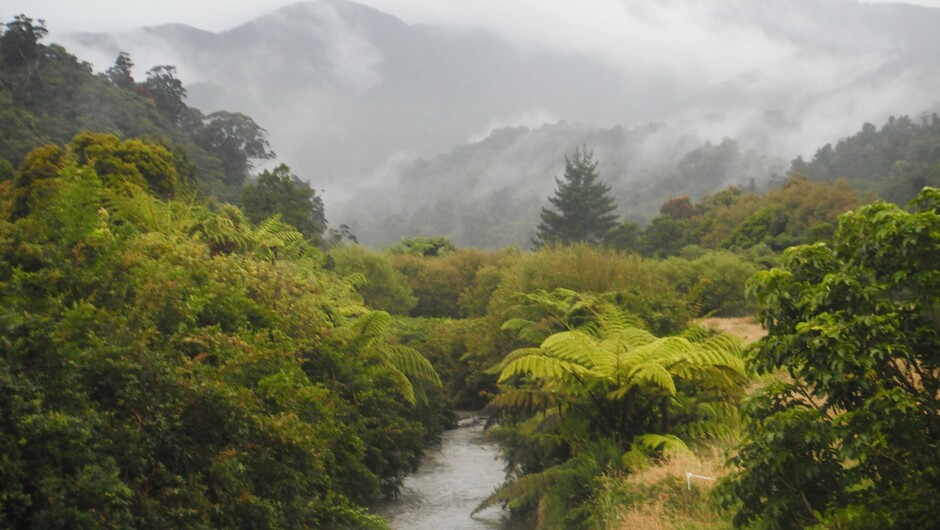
<point>585,210</point>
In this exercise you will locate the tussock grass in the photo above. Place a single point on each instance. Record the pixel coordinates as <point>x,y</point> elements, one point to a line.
<point>658,497</point>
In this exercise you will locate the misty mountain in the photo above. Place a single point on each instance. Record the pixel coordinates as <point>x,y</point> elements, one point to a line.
<point>341,86</point>
<point>395,118</point>
<point>490,193</point>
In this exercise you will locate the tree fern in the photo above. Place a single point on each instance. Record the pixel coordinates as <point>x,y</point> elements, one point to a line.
<point>603,376</point>
<point>523,490</point>
<point>369,334</point>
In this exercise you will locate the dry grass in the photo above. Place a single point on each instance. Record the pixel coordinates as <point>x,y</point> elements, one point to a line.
<point>658,498</point>
<point>745,327</point>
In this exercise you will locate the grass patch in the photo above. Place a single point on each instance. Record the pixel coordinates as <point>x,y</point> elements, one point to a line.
<point>659,497</point>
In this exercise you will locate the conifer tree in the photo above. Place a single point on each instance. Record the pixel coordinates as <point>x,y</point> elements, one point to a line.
<point>585,210</point>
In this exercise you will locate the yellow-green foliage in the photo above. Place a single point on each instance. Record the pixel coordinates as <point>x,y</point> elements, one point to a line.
<point>163,365</point>
<point>590,269</point>
<point>147,165</point>
<point>800,211</point>
<point>712,282</point>
<point>381,286</point>
<point>600,394</point>
<point>440,282</point>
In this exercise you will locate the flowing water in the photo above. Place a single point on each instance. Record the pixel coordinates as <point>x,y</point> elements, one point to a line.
<point>450,482</point>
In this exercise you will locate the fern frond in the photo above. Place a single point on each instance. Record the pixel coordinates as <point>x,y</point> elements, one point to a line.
<point>524,489</point>
<point>529,400</point>
<point>575,347</point>
<point>665,350</point>
<point>644,374</point>
<point>614,320</point>
<point>541,367</point>
<point>412,363</point>
<point>372,324</point>
<point>662,443</point>
<point>527,330</point>
<point>404,386</point>
<point>512,356</point>
<point>696,333</point>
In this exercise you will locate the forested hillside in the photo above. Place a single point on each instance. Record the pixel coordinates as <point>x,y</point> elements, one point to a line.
<point>488,193</point>
<point>184,343</point>
<point>48,96</point>
<point>895,161</point>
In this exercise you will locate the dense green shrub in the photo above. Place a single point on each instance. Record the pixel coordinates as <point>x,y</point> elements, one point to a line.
<point>851,438</point>
<point>712,282</point>
<point>381,286</point>
<point>440,282</point>
<point>167,366</point>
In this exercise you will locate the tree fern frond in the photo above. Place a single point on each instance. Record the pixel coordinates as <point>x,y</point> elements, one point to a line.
<point>663,443</point>
<point>541,367</point>
<point>512,399</point>
<point>412,363</point>
<point>647,373</point>
<point>372,324</point>
<point>615,321</point>
<point>697,333</point>
<point>664,350</point>
<point>527,330</point>
<point>524,489</point>
<point>627,339</point>
<point>404,386</point>
<point>575,347</point>
<point>512,356</point>
<point>709,429</point>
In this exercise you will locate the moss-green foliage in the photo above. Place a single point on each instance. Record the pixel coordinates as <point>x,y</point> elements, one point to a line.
<point>851,439</point>
<point>167,366</point>
<point>449,344</point>
<point>445,284</point>
<point>52,97</point>
<point>585,268</point>
<point>381,286</point>
<point>711,281</point>
<point>800,211</point>
<point>895,161</point>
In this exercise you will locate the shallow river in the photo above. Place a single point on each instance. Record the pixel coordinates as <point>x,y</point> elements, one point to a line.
<point>451,481</point>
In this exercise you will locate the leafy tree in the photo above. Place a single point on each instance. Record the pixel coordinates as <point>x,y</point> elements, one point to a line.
<point>279,192</point>
<point>678,208</point>
<point>625,237</point>
<point>120,74</point>
<point>851,438</point>
<point>145,164</point>
<point>895,161</point>
<point>237,140</point>
<point>583,202</point>
<point>166,90</point>
<point>165,365</point>
<point>19,44</point>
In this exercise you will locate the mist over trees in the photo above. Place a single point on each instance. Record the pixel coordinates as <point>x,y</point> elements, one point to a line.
<point>186,343</point>
<point>407,98</point>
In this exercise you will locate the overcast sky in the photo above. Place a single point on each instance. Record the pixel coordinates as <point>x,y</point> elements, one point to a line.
<point>218,15</point>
